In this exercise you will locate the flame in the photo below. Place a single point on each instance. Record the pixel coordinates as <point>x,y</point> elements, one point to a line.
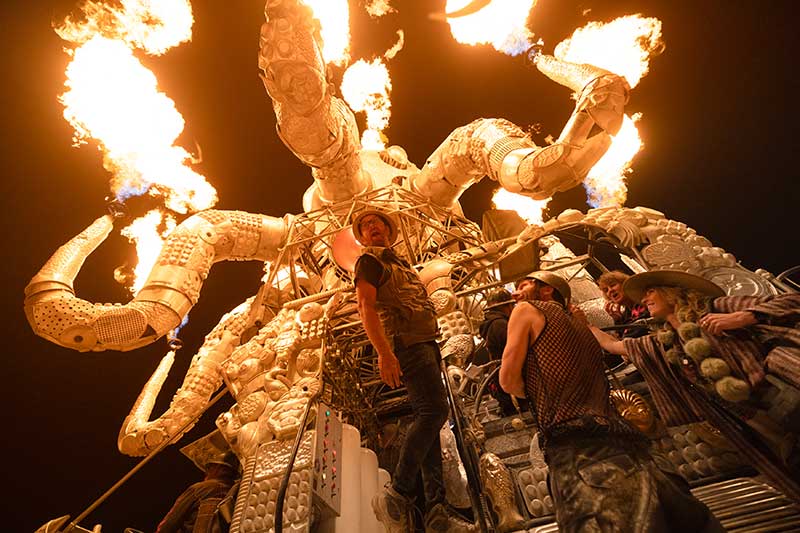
<point>532,211</point>
<point>605,183</point>
<point>501,24</point>
<point>379,8</point>
<point>401,41</point>
<point>112,98</point>
<point>154,27</point>
<point>623,46</point>
<point>334,18</point>
<point>144,233</point>
<point>366,87</point>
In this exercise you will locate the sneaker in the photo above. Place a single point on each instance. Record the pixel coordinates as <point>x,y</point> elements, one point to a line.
<point>440,519</point>
<point>392,510</point>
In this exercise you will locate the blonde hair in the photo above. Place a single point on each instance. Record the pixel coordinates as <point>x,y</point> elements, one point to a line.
<point>689,304</point>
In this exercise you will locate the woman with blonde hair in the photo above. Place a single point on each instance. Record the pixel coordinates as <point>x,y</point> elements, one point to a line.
<point>711,360</point>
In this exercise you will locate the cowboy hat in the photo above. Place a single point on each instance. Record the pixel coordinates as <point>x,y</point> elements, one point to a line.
<point>386,217</point>
<point>635,286</point>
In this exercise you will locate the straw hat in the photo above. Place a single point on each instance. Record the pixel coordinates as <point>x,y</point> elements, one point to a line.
<point>635,286</point>
<point>386,217</point>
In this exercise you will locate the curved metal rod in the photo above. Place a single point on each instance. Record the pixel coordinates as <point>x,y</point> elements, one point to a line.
<point>296,448</point>
<point>473,477</point>
<point>788,272</point>
<point>785,280</point>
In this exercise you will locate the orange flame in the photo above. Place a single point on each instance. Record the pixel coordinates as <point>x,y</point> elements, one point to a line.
<point>605,183</point>
<point>623,46</point>
<point>334,18</point>
<point>366,87</point>
<point>500,24</point>
<point>144,233</point>
<point>532,211</point>
<point>112,98</point>
<point>154,27</point>
<point>378,8</point>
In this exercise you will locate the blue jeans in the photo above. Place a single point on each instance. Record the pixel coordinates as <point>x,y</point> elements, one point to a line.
<point>421,450</point>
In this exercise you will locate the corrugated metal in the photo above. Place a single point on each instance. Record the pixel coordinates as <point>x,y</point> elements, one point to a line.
<point>743,505</point>
<point>750,505</point>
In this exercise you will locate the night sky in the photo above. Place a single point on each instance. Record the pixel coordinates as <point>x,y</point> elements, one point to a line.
<point>719,128</point>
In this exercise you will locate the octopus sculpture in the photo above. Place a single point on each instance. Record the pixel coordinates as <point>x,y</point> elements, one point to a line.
<point>298,339</point>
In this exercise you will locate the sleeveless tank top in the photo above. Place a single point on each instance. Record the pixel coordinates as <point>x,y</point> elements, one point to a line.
<point>564,372</point>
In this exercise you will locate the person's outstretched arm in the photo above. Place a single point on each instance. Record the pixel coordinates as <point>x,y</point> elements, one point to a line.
<point>608,342</point>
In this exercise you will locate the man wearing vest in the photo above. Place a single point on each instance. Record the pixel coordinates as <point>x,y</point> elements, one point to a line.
<point>196,510</point>
<point>602,475</point>
<point>400,322</point>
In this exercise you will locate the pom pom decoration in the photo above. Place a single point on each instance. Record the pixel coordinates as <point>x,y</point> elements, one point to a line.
<point>688,331</point>
<point>666,337</point>
<point>673,356</point>
<point>698,349</point>
<point>732,389</point>
<point>715,368</point>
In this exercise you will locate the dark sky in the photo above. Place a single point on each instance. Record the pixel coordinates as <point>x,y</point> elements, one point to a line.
<point>719,127</point>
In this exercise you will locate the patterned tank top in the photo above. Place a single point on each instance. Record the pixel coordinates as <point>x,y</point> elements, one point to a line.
<point>564,373</point>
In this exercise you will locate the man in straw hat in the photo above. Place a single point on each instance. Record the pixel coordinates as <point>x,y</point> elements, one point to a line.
<point>602,475</point>
<point>400,322</point>
<point>722,359</point>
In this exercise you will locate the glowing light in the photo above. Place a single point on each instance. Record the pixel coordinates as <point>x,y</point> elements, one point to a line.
<point>401,41</point>
<point>334,19</point>
<point>144,233</point>
<point>623,46</point>
<point>153,26</point>
<point>605,183</point>
<point>366,87</point>
<point>379,8</point>
<point>532,211</point>
<point>500,24</point>
<point>112,98</point>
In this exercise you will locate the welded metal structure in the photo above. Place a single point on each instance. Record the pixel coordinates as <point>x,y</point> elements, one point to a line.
<point>299,339</point>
